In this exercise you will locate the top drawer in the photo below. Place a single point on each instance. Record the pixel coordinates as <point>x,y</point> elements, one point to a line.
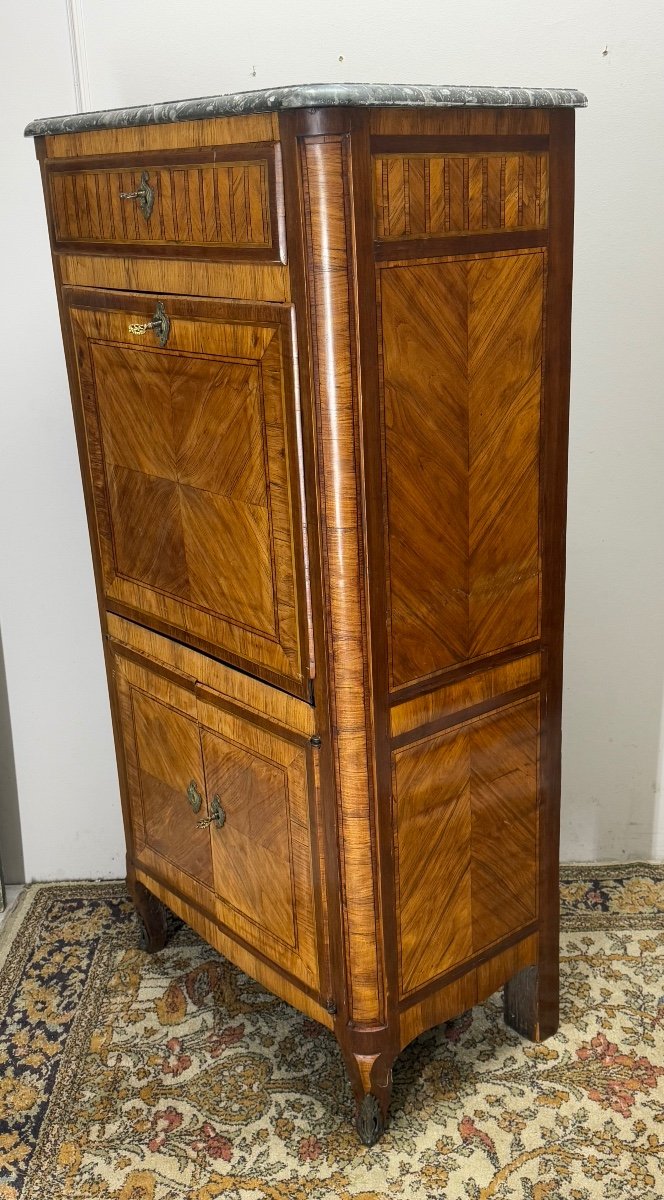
<point>216,203</point>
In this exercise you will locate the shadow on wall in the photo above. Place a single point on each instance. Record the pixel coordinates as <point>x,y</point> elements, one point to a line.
<point>11,847</point>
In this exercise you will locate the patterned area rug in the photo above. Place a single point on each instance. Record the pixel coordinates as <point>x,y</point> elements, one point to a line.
<point>175,1077</point>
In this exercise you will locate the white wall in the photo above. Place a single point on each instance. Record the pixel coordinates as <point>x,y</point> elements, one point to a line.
<point>65,770</point>
<point>613,732</point>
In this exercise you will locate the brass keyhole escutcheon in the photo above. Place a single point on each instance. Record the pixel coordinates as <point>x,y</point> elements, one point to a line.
<point>144,195</point>
<point>194,797</point>
<point>217,815</point>
<point>160,323</point>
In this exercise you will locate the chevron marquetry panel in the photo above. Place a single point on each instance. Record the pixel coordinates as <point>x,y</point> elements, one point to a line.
<point>254,874</point>
<point>190,472</point>
<point>431,195</point>
<point>465,823</point>
<point>461,370</point>
<point>163,756</point>
<point>255,800</point>
<point>224,204</point>
<point>262,856</point>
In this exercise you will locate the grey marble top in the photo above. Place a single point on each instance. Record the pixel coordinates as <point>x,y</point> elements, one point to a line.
<point>311,95</point>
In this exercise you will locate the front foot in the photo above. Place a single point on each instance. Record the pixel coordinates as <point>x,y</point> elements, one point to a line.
<point>369,1120</point>
<point>151,918</point>
<point>370,1077</point>
<point>153,937</point>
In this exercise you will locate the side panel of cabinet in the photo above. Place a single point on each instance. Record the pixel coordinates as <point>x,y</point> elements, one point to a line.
<point>466,240</point>
<point>193,459</point>
<point>461,377</point>
<point>465,821</point>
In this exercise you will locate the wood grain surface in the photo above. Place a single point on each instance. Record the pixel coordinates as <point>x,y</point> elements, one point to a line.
<point>430,195</point>
<point>423,713</point>
<point>258,700</point>
<point>224,202</point>
<point>262,856</point>
<point>169,276</point>
<point>532,997</point>
<point>461,402</point>
<point>255,872</point>
<point>163,757</point>
<point>465,811</point>
<point>465,991</point>
<point>183,135</point>
<point>458,122</point>
<point>324,166</point>
<point>327,522</point>
<point>196,498</point>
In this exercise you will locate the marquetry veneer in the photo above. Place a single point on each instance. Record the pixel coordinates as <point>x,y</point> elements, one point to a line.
<point>321,392</point>
<point>219,202</point>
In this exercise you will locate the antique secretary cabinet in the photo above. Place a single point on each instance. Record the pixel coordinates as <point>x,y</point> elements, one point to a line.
<point>318,344</point>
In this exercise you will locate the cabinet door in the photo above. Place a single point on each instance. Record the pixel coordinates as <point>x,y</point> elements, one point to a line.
<point>192,449</point>
<point>190,760</point>
<point>261,854</point>
<point>165,776</point>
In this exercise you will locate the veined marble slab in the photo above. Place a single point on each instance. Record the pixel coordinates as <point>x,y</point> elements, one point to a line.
<point>311,95</point>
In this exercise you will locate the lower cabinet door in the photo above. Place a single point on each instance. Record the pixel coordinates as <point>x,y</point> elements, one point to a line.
<point>165,776</point>
<point>261,847</point>
<point>189,761</point>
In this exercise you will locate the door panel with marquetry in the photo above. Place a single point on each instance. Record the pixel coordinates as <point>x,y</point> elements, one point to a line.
<point>219,809</point>
<point>192,449</point>
<point>165,776</point>
<point>461,377</point>
<point>261,845</point>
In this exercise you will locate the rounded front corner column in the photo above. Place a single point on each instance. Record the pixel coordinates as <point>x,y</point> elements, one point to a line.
<point>325,172</point>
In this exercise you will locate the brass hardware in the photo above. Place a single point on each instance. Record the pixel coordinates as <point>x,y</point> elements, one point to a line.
<point>369,1121</point>
<point>144,194</point>
<point>217,815</point>
<point>315,741</point>
<point>194,796</point>
<point>160,323</point>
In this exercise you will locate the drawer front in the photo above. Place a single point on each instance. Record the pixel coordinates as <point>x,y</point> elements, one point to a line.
<point>220,202</point>
<point>191,759</point>
<point>192,447</point>
<point>256,700</point>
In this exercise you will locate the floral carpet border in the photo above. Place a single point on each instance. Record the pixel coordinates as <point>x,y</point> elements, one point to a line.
<point>611,895</point>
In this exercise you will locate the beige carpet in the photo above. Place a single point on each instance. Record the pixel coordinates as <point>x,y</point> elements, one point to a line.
<point>177,1078</point>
